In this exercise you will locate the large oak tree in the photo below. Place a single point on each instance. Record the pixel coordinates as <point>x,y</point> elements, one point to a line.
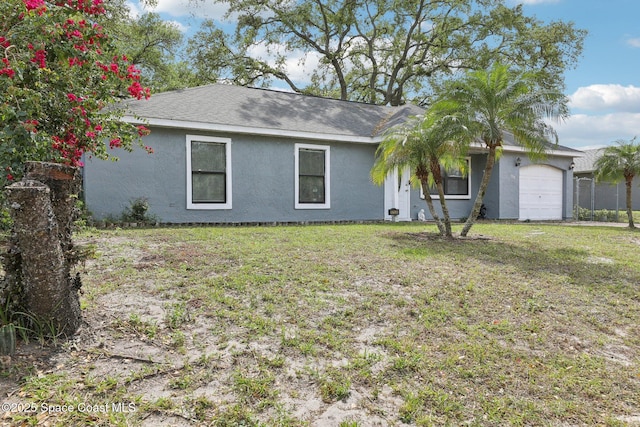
<point>378,51</point>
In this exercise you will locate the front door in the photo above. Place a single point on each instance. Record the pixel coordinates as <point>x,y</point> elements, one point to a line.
<point>397,195</point>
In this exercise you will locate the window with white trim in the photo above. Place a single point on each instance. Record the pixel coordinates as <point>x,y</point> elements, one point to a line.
<point>312,177</point>
<point>208,172</point>
<point>456,184</point>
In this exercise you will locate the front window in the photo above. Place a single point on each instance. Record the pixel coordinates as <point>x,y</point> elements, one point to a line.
<point>312,177</point>
<point>209,172</point>
<point>456,184</point>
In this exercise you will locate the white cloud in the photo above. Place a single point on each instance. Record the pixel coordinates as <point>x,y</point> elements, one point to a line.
<point>634,42</point>
<point>187,8</point>
<point>207,9</point>
<point>612,97</point>
<point>135,9</point>
<point>298,65</point>
<point>179,25</point>
<point>582,130</point>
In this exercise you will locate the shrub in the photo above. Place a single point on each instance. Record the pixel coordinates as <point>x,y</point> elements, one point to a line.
<point>138,211</point>
<point>601,215</point>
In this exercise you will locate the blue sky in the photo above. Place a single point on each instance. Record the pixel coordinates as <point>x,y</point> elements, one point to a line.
<point>604,89</point>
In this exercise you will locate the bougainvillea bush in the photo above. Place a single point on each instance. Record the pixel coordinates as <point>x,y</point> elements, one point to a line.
<point>62,84</point>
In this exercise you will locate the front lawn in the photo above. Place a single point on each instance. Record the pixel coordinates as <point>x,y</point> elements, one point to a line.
<point>345,325</point>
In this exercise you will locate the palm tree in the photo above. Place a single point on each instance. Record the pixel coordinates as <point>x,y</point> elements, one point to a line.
<point>620,162</point>
<point>422,144</point>
<point>490,102</point>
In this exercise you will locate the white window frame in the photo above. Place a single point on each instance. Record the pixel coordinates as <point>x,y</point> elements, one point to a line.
<point>327,177</point>
<point>455,196</point>
<point>209,206</point>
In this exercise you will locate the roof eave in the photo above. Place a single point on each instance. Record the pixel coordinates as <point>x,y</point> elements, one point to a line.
<point>248,130</point>
<point>478,146</point>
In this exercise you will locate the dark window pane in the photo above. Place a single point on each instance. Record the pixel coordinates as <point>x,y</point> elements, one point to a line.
<point>311,162</point>
<point>208,188</point>
<point>455,173</point>
<point>208,157</point>
<point>454,183</point>
<point>311,189</point>
<point>454,186</point>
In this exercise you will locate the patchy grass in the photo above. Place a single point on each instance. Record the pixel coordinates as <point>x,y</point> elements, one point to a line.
<point>351,325</point>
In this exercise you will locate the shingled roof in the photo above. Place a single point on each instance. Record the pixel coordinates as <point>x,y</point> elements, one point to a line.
<point>220,106</point>
<point>240,109</point>
<point>509,143</point>
<point>586,163</point>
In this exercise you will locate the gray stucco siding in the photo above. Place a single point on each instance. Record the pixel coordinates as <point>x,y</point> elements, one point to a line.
<point>262,176</point>
<point>502,198</point>
<point>458,208</point>
<point>509,177</point>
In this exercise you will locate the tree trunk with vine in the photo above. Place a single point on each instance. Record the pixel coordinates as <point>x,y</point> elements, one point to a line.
<point>38,283</point>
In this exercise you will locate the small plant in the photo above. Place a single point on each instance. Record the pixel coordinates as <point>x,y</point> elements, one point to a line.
<point>200,407</point>
<point>138,212</point>
<point>600,215</point>
<point>411,408</point>
<point>137,325</point>
<point>177,315</point>
<point>182,382</point>
<point>5,218</point>
<point>178,341</point>
<point>82,216</point>
<point>333,390</point>
<point>255,388</point>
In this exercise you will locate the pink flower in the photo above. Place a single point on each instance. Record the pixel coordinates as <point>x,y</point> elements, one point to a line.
<point>72,97</point>
<point>143,130</point>
<point>115,143</point>
<point>7,70</point>
<point>31,125</point>
<point>40,58</point>
<point>137,91</point>
<point>34,4</point>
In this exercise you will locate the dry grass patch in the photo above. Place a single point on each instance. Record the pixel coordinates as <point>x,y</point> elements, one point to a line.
<point>350,325</point>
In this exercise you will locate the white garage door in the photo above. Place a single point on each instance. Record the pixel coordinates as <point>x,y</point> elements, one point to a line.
<point>540,192</point>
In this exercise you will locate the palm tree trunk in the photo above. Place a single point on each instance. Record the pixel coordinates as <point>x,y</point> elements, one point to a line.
<point>629,183</point>
<point>488,169</point>
<point>432,209</point>
<point>445,210</point>
<point>434,165</point>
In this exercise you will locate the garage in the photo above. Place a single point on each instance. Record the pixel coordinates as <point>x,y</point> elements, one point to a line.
<point>540,193</point>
